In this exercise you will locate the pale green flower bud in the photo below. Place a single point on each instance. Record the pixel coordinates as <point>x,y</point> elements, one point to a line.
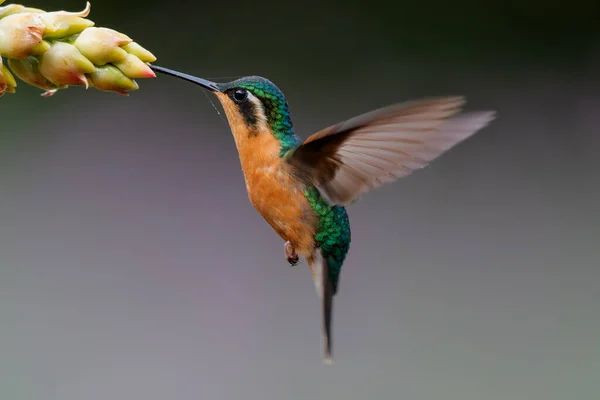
<point>7,80</point>
<point>21,35</point>
<point>17,8</point>
<point>54,50</point>
<point>28,70</point>
<point>140,52</point>
<point>134,68</point>
<point>110,78</point>
<point>63,64</point>
<point>102,45</point>
<point>60,24</point>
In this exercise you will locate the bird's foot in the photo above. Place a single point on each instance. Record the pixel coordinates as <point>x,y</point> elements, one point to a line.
<point>290,253</point>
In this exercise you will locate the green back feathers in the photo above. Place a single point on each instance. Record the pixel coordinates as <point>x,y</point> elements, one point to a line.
<point>333,232</point>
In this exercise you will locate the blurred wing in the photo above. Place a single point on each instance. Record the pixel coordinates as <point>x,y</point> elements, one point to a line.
<point>350,158</point>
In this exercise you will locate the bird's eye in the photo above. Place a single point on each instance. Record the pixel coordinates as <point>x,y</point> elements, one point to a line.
<point>240,95</point>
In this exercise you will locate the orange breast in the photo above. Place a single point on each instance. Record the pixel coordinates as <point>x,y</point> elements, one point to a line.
<point>275,194</point>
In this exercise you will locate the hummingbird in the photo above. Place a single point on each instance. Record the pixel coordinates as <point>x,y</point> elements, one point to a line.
<point>302,187</point>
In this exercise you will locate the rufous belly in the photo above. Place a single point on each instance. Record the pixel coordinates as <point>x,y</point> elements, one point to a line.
<point>280,199</point>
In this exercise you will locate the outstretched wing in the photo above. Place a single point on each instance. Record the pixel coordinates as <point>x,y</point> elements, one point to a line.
<point>350,158</point>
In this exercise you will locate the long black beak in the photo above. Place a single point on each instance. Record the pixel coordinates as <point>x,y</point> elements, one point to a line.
<point>199,81</point>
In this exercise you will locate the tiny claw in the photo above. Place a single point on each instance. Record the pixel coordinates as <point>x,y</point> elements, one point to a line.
<point>49,93</point>
<point>290,253</point>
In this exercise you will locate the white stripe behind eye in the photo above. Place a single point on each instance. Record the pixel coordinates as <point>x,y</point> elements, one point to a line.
<point>260,111</point>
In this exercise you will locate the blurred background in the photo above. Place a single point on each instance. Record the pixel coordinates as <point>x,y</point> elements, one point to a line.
<point>132,265</point>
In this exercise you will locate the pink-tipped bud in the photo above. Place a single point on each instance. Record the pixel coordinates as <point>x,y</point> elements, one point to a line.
<point>60,24</point>
<point>28,70</point>
<point>110,78</point>
<point>140,52</point>
<point>134,68</point>
<point>7,80</point>
<point>102,45</point>
<point>21,35</point>
<point>63,64</point>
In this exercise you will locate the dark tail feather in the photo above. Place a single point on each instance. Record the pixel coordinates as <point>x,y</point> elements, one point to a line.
<point>327,292</point>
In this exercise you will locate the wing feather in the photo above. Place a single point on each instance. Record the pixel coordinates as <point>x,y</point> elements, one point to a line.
<point>357,155</point>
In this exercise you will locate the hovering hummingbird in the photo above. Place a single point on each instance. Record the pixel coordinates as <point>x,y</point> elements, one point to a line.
<point>301,188</point>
